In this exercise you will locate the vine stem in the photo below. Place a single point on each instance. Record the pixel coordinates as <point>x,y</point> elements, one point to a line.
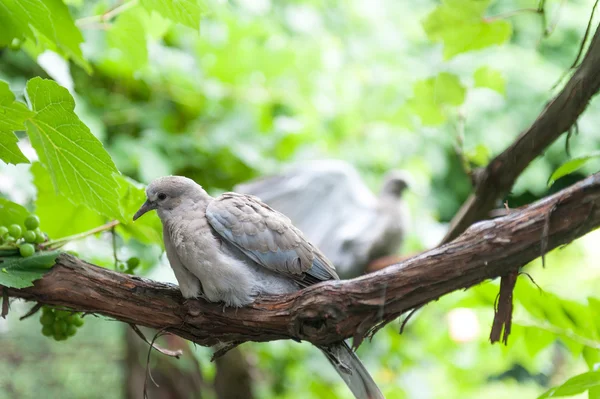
<point>61,241</point>
<point>509,14</point>
<point>106,16</point>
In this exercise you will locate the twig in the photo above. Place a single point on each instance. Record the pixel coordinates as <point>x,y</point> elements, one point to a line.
<point>5,304</point>
<point>106,16</point>
<point>176,354</point>
<point>32,311</point>
<point>585,36</point>
<point>53,244</point>
<point>148,372</point>
<point>407,318</point>
<point>504,308</point>
<point>114,246</point>
<point>512,13</point>
<point>224,349</point>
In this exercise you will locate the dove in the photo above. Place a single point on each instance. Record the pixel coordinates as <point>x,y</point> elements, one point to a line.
<point>234,248</point>
<point>337,212</point>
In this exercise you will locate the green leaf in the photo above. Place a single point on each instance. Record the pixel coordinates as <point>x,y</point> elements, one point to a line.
<point>12,117</point>
<point>18,272</point>
<point>490,78</point>
<point>480,155</point>
<point>460,25</point>
<point>80,168</point>
<point>58,216</point>
<point>11,213</point>
<point>536,339</point>
<point>186,12</point>
<point>433,94</point>
<point>591,357</point>
<point>127,35</point>
<point>575,385</point>
<point>147,229</point>
<point>571,166</point>
<point>45,22</point>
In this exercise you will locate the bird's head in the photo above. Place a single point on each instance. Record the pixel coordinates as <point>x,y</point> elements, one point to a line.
<point>396,181</point>
<point>167,193</point>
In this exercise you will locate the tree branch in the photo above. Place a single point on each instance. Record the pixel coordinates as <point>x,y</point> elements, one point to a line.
<point>332,310</point>
<point>497,178</point>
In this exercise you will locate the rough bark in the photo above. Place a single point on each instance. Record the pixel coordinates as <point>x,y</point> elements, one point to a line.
<point>333,310</point>
<point>494,181</point>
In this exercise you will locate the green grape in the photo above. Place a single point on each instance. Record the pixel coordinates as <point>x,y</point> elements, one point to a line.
<point>133,262</point>
<point>26,250</point>
<point>9,239</point>
<point>39,237</point>
<point>47,319</point>
<point>121,267</point>
<point>60,327</point>
<point>15,231</point>
<point>3,231</point>
<point>62,314</point>
<point>60,336</point>
<point>32,222</point>
<point>29,236</point>
<point>48,331</point>
<point>77,321</point>
<point>71,330</point>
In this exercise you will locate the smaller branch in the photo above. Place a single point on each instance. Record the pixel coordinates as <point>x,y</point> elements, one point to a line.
<point>32,311</point>
<point>5,304</point>
<point>585,36</point>
<point>176,354</point>
<point>509,14</point>
<point>106,16</point>
<point>503,308</point>
<point>148,372</point>
<point>567,333</point>
<point>54,244</point>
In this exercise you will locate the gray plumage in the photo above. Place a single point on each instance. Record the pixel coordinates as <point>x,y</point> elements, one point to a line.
<point>234,248</point>
<point>331,204</point>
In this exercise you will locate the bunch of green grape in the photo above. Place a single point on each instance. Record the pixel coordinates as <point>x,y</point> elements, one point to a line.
<point>13,236</point>
<point>129,266</point>
<point>59,324</point>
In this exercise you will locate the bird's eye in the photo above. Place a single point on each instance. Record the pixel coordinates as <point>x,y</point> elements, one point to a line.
<point>162,196</point>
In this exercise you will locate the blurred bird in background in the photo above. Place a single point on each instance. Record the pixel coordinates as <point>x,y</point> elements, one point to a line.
<point>331,204</point>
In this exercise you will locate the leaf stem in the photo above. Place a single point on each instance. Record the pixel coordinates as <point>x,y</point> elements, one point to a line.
<point>106,16</point>
<point>61,241</point>
<point>509,14</point>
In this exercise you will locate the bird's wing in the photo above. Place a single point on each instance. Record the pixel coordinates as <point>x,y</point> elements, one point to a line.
<point>327,200</point>
<point>268,238</point>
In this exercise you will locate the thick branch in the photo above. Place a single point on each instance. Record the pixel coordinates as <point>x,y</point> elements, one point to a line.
<point>338,309</point>
<point>496,180</point>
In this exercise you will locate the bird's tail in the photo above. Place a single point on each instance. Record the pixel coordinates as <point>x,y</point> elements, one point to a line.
<point>352,371</point>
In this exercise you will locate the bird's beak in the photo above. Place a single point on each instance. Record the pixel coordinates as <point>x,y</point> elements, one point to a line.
<point>147,206</point>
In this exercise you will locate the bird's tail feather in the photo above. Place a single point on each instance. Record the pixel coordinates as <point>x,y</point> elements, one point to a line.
<point>352,371</point>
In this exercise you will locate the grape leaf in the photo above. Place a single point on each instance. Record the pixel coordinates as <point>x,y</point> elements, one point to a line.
<point>433,94</point>
<point>490,78</point>
<point>185,12</point>
<point>12,116</point>
<point>147,229</point>
<point>574,385</point>
<point>461,27</point>
<point>571,166</point>
<point>128,36</point>
<point>80,168</point>
<point>58,216</point>
<point>11,213</point>
<point>45,22</point>
<point>18,272</point>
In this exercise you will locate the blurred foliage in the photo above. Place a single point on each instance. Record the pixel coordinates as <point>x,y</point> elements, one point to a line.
<point>224,91</point>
